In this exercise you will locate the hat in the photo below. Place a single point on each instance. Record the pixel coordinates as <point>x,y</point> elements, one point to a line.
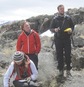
<point>18,56</point>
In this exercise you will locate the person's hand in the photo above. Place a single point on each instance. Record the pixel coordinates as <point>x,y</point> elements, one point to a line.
<point>70,31</point>
<point>56,29</point>
<point>36,54</point>
<point>28,79</point>
<point>26,63</point>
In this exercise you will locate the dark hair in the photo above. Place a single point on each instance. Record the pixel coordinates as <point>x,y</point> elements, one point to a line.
<point>59,6</point>
<point>23,61</point>
<point>16,68</point>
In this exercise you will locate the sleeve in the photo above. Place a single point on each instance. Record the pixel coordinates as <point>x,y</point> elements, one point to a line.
<point>18,45</point>
<point>52,25</point>
<point>8,75</point>
<point>34,71</point>
<point>37,42</point>
<point>71,24</point>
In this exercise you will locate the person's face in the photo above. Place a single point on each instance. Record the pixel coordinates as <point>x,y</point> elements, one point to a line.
<point>26,27</point>
<point>61,10</point>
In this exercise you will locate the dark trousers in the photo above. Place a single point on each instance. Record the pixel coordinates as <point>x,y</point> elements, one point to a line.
<point>34,58</point>
<point>63,50</point>
<point>22,84</point>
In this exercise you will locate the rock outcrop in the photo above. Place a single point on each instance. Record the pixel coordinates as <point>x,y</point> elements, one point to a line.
<point>47,57</point>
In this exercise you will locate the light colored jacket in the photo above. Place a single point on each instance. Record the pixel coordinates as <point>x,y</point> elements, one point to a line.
<point>11,74</point>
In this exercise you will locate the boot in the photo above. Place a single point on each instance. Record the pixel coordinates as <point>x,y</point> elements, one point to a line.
<point>60,77</point>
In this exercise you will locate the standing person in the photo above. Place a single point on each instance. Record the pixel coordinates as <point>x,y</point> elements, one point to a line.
<point>45,25</point>
<point>29,42</point>
<point>62,25</point>
<point>22,71</point>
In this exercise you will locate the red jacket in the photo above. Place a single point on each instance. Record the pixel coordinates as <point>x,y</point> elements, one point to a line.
<point>29,44</point>
<point>22,69</point>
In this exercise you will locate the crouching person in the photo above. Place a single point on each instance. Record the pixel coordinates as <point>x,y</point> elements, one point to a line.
<point>23,71</point>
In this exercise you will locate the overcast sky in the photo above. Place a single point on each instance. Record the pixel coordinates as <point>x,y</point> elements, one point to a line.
<point>23,9</point>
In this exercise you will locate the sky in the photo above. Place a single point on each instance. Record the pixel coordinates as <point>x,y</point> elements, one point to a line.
<point>23,9</point>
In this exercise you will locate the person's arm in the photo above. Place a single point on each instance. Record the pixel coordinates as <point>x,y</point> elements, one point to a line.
<point>18,45</point>
<point>7,75</point>
<point>53,26</point>
<point>71,24</point>
<point>33,70</point>
<point>37,42</point>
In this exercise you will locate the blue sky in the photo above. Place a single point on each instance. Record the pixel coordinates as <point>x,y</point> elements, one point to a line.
<point>23,9</point>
